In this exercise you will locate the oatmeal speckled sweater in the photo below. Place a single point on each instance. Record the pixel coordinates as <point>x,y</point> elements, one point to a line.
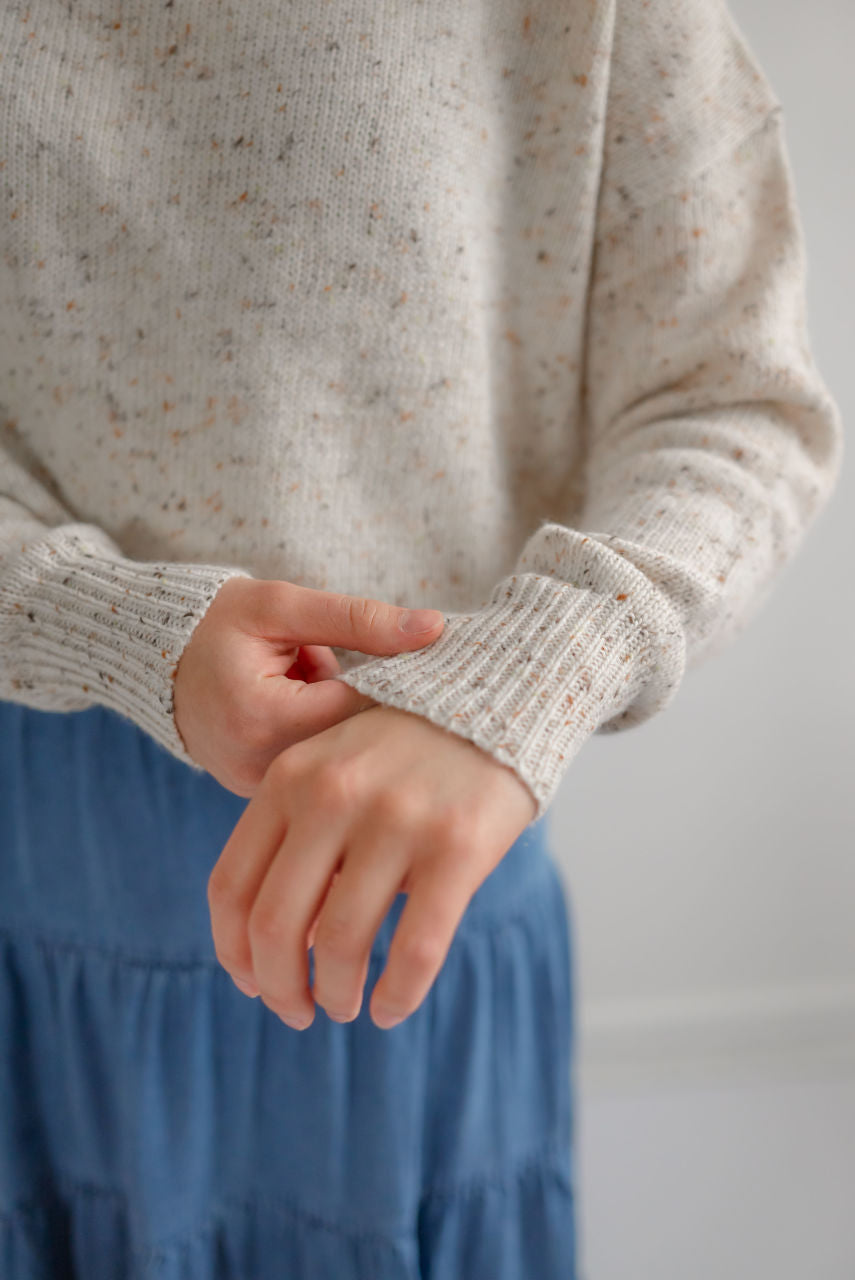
<point>494,307</point>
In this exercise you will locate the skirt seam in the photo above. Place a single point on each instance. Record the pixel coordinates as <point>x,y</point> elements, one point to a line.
<point>552,1155</point>
<point>492,922</point>
<point>162,1250</point>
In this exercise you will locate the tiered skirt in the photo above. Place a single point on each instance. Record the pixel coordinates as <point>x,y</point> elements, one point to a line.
<point>154,1122</point>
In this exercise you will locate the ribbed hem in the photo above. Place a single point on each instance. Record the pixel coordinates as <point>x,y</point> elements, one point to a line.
<point>81,624</point>
<point>532,675</point>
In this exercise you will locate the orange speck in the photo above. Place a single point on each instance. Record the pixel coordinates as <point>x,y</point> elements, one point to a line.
<point>167,406</point>
<point>118,432</point>
<point>70,305</point>
<point>697,231</point>
<point>622,596</point>
<point>526,24</point>
<point>581,79</point>
<point>513,337</point>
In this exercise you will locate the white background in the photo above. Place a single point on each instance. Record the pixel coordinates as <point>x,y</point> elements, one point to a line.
<point>710,853</point>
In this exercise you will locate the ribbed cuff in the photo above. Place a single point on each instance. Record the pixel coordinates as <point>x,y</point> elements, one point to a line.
<point>81,624</point>
<point>531,676</point>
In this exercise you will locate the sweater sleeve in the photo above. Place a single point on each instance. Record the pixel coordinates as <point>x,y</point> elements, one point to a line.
<point>81,623</point>
<point>711,445</point>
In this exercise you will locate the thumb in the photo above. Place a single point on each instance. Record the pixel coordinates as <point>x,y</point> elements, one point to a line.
<point>356,622</point>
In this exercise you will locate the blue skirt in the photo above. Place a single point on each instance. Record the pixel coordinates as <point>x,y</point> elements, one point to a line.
<point>154,1122</point>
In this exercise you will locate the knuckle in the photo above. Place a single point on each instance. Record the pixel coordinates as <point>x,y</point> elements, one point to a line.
<point>396,808</point>
<point>335,784</point>
<point>451,829</point>
<point>284,768</point>
<point>338,937</point>
<point>266,599</point>
<point>362,612</point>
<point>338,608</point>
<point>264,925</point>
<point>422,953</point>
<point>222,892</point>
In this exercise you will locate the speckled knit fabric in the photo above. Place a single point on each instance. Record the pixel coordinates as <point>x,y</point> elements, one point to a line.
<point>494,307</point>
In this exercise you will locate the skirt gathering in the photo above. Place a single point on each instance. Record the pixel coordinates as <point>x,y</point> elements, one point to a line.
<point>155,1122</point>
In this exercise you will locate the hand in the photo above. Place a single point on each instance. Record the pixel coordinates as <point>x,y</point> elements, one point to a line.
<point>390,802</point>
<point>255,675</point>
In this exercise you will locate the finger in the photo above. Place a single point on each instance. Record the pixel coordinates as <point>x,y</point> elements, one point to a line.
<point>286,611</point>
<point>353,911</point>
<point>288,900</point>
<point>237,876</point>
<point>439,893</point>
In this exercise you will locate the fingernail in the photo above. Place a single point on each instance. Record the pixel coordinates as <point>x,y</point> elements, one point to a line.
<point>417,621</point>
<point>245,988</point>
<point>384,1018</point>
<point>298,1024</point>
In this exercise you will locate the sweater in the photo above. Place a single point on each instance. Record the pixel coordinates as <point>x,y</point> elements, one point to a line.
<point>495,307</point>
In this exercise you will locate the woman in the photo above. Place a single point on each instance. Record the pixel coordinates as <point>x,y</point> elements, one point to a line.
<point>311,316</point>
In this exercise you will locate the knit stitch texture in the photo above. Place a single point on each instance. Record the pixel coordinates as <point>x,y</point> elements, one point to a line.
<point>488,307</point>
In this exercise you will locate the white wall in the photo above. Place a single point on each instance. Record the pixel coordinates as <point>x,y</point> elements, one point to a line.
<point>710,854</point>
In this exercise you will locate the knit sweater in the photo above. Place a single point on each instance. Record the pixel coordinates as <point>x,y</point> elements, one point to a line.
<point>492,307</point>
